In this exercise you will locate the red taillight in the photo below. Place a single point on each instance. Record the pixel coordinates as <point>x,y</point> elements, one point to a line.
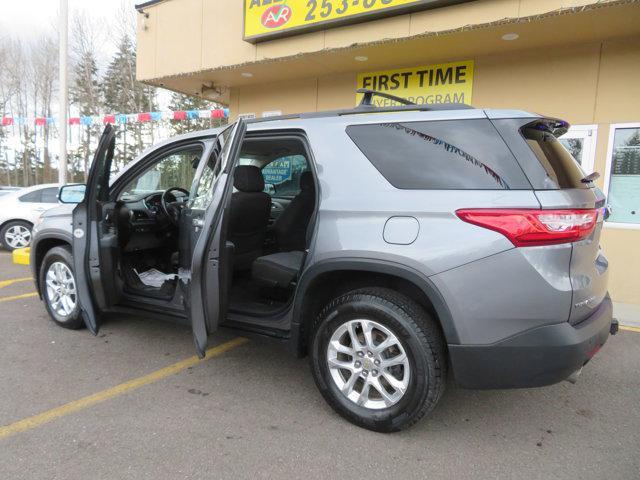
<point>527,228</point>
<point>593,351</point>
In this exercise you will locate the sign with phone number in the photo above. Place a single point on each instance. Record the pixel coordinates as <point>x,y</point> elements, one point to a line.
<point>266,19</point>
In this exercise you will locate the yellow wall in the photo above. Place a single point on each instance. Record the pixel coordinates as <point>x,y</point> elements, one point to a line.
<point>594,83</point>
<point>200,35</point>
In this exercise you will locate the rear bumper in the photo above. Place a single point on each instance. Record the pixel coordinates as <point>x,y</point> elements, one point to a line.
<point>538,357</point>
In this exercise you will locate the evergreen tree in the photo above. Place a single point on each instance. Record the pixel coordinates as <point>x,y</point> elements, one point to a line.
<point>187,102</point>
<point>122,93</point>
<point>86,96</point>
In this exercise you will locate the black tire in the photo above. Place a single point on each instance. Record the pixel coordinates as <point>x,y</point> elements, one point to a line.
<point>9,225</point>
<point>74,320</point>
<point>420,337</point>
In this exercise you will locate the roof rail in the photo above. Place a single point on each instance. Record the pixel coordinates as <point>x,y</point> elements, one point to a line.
<point>369,94</point>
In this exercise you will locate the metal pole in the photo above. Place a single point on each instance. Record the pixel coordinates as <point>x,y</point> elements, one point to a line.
<point>62,109</point>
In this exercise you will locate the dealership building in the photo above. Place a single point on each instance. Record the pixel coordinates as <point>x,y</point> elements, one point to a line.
<point>578,60</point>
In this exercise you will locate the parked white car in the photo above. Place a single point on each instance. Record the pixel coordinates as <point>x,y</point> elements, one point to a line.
<point>21,209</point>
<point>7,190</point>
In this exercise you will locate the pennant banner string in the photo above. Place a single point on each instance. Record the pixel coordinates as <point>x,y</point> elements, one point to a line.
<point>119,118</point>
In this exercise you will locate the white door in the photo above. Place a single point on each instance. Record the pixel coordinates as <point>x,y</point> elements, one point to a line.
<point>580,140</point>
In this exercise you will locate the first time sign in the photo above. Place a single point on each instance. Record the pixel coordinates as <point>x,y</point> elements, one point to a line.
<point>268,19</point>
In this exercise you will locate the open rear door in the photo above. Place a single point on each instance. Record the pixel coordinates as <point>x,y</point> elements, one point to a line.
<point>86,216</point>
<point>203,286</point>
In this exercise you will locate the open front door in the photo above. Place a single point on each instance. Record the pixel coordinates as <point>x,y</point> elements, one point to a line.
<point>204,256</point>
<point>86,217</point>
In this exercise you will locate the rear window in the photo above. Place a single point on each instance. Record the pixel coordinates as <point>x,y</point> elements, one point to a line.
<point>440,155</point>
<point>562,170</point>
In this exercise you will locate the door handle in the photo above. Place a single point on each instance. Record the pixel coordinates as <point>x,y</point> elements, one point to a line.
<point>198,222</point>
<point>39,209</point>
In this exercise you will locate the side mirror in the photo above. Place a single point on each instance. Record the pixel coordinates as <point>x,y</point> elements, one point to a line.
<point>71,193</point>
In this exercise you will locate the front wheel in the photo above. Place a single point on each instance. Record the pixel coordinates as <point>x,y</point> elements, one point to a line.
<point>378,359</point>
<point>58,285</point>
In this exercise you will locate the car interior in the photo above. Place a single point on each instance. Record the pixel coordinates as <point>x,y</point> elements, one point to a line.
<point>267,225</point>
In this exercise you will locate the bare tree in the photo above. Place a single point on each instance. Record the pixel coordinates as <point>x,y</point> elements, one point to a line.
<point>6,87</point>
<point>20,75</point>
<point>44,61</point>
<point>85,83</point>
<point>6,92</point>
<point>122,92</point>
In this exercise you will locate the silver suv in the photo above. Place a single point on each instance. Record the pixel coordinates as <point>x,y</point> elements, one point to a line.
<point>389,244</point>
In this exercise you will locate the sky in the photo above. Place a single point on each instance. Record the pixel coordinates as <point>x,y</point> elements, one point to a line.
<point>27,20</point>
<point>24,17</point>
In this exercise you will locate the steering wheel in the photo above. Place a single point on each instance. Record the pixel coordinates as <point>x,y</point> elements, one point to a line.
<point>170,206</point>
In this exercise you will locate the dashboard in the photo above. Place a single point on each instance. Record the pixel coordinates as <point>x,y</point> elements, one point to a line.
<point>142,223</point>
<point>144,211</point>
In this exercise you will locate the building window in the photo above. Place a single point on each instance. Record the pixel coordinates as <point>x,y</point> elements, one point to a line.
<point>622,181</point>
<point>580,140</point>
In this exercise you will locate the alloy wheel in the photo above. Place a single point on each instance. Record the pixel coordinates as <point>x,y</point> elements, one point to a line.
<point>61,289</point>
<point>368,364</point>
<point>17,236</point>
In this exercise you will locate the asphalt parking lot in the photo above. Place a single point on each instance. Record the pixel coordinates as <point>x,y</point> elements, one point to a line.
<point>134,403</point>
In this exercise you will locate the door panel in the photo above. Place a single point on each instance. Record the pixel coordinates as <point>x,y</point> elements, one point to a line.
<point>86,217</point>
<point>202,237</point>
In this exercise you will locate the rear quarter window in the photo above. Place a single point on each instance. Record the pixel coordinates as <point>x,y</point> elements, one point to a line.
<point>440,155</point>
<point>545,161</point>
<point>562,170</point>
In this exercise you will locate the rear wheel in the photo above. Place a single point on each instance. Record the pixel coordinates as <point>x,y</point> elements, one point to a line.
<point>378,359</point>
<point>58,285</point>
<point>16,234</point>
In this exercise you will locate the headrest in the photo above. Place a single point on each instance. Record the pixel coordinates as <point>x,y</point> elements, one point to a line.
<point>306,180</point>
<point>248,178</point>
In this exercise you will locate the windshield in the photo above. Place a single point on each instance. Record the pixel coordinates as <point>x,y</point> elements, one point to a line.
<point>176,169</point>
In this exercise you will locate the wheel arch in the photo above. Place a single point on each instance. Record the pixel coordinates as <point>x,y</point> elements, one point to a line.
<point>324,280</point>
<point>2,225</point>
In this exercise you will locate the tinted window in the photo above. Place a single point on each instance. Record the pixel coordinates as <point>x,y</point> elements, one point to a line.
<point>50,195</point>
<point>442,155</point>
<point>561,168</point>
<point>34,196</point>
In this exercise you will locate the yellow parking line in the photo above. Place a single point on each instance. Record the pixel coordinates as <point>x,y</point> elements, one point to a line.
<point>6,283</point>
<point>18,297</point>
<point>629,329</point>
<point>85,402</point>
